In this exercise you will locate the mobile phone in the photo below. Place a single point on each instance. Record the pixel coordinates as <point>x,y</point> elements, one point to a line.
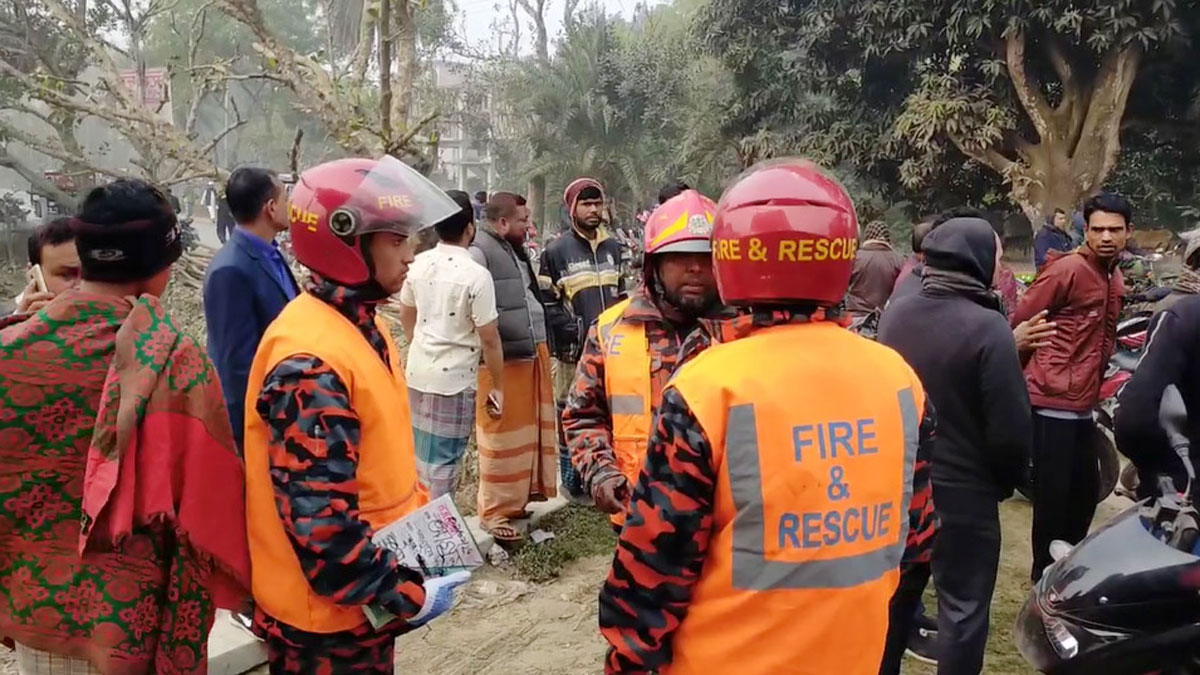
<point>39,279</point>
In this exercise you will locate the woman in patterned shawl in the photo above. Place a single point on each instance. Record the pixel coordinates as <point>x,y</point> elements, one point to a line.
<point>122,522</point>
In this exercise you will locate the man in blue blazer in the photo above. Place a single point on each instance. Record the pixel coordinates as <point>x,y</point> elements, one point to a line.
<point>248,282</point>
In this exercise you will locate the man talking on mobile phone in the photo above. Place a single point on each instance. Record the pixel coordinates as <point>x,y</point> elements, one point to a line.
<point>53,265</point>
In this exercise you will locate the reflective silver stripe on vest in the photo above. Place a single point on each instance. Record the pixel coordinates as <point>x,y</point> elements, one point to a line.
<point>605,330</point>
<point>626,404</point>
<point>751,569</point>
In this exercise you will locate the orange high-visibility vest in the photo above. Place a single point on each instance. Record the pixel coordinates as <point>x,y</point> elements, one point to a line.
<point>387,472</point>
<point>814,435</point>
<point>627,384</point>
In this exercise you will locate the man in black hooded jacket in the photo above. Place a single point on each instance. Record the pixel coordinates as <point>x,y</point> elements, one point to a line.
<point>969,366</point>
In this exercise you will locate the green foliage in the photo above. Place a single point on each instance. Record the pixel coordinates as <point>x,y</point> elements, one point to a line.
<point>631,103</point>
<point>919,94</point>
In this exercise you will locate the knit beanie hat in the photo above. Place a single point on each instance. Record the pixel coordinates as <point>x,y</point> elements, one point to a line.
<point>577,186</point>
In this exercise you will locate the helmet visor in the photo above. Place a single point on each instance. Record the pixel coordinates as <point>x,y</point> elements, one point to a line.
<point>392,197</point>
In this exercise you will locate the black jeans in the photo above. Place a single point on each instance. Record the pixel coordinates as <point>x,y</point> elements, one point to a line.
<point>904,607</point>
<point>966,557</point>
<point>1065,482</point>
<point>224,229</point>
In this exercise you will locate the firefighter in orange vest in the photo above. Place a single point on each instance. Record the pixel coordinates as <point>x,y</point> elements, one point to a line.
<point>329,446</point>
<point>768,523</point>
<point>634,347</point>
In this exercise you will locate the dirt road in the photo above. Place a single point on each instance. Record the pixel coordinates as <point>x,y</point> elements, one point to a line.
<point>502,626</point>
<point>507,627</point>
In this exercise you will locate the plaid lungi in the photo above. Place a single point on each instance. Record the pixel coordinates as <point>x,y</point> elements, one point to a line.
<point>35,662</point>
<point>442,428</point>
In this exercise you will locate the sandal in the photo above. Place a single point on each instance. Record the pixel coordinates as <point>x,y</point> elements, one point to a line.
<point>505,534</point>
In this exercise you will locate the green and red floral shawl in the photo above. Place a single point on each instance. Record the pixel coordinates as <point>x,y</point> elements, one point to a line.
<point>122,513</point>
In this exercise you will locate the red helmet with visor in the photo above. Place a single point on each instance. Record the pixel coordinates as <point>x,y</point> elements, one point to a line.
<point>335,204</point>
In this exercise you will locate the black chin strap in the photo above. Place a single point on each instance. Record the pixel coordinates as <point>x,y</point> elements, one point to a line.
<point>370,291</point>
<point>658,292</point>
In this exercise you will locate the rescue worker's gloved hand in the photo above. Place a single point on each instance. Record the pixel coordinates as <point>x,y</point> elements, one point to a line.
<point>440,593</point>
<point>611,494</point>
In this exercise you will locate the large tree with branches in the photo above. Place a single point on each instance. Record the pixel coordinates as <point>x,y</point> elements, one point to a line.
<point>66,61</point>
<point>1036,92</point>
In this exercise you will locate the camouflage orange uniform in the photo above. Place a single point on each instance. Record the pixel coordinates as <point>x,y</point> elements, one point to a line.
<point>665,541</point>
<point>586,419</point>
<point>313,457</point>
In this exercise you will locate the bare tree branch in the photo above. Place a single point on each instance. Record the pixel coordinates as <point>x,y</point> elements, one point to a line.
<point>1063,68</point>
<point>569,13</point>
<point>1035,104</point>
<point>38,183</point>
<point>216,140</point>
<point>385,69</point>
<point>515,46</point>
<point>294,156</point>
<point>412,133</point>
<point>50,149</point>
<point>316,91</point>
<point>407,62</point>
<point>1110,94</point>
<point>989,157</point>
<point>536,9</point>
<point>362,52</point>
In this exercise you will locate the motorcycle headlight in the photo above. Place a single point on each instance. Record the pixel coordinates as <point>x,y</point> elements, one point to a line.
<point>1065,644</point>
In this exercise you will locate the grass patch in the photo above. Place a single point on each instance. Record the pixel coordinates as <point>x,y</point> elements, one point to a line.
<point>579,532</point>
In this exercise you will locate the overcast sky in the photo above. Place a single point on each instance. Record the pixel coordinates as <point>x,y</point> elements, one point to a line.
<point>475,18</point>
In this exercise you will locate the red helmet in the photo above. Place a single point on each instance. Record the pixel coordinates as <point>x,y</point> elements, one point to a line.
<point>785,231</point>
<point>682,224</point>
<point>334,204</point>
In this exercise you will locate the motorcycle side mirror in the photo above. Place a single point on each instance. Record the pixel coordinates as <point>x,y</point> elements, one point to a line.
<point>1059,549</point>
<point>1173,416</point>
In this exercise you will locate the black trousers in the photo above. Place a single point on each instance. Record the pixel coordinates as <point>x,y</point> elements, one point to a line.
<point>224,229</point>
<point>905,605</point>
<point>1065,482</point>
<point>966,557</point>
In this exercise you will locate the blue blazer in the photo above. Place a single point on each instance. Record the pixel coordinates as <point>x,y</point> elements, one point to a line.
<point>242,296</point>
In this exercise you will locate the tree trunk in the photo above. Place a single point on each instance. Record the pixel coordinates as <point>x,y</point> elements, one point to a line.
<point>406,63</point>
<point>385,71</point>
<point>537,203</point>
<point>543,40</point>
<point>514,47</point>
<point>537,184</point>
<point>1048,179</point>
<point>1078,140</point>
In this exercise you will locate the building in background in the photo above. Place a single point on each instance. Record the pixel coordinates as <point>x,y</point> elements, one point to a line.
<point>465,158</point>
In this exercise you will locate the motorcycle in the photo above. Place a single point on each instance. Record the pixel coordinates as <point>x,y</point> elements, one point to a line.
<point>1132,334</point>
<point>1126,600</point>
<point>187,233</point>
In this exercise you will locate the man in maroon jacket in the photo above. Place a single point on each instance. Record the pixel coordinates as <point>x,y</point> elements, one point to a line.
<point>1081,291</point>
